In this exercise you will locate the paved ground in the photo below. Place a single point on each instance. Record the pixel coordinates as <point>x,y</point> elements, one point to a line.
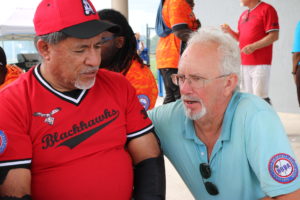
<point>176,190</point>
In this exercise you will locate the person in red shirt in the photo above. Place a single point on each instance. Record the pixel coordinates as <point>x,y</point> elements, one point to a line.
<point>258,29</point>
<point>8,73</point>
<point>119,55</point>
<point>72,131</point>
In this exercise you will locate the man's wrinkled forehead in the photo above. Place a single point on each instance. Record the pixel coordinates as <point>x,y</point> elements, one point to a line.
<point>185,59</point>
<point>190,56</point>
<point>200,55</point>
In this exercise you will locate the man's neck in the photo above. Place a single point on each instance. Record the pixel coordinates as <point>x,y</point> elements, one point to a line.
<point>208,131</point>
<point>52,80</point>
<point>208,126</point>
<point>253,4</point>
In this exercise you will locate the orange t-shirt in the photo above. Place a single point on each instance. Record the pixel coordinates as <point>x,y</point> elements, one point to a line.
<point>174,12</point>
<point>13,72</point>
<point>142,79</point>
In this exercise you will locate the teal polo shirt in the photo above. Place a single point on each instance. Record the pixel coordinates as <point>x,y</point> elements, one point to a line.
<point>251,159</point>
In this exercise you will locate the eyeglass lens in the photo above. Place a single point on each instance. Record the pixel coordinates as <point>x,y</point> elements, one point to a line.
<point>206,173</point>
<point>106,39</point>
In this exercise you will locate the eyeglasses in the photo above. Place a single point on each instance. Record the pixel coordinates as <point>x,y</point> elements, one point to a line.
<point>106,39</point>
<point>193,80</point>
<point>206,173</point>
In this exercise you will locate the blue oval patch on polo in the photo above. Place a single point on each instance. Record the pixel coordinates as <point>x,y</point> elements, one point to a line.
<point>3,142</point>
<point>283,168</point>
<point>144,100</point>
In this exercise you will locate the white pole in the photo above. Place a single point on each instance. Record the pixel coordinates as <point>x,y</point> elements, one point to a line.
<point>121,6</point>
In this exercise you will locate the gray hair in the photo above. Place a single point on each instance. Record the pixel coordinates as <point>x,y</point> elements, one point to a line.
<point>228,48</point>
<point>51,38</point>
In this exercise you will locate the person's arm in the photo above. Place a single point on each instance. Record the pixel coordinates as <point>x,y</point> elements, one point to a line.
<point>182,34</point>
<point>227,29</point>
<point>17,183</point>
<point>140,47</point>
<point>296,60</point>
<point>292,195</point>
<point>149,170</point>
<point>265,41</point>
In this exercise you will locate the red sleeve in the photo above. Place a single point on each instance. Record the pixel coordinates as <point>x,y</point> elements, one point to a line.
<point>15,142</point>
<point>271,20</point>
<point>137,119</point>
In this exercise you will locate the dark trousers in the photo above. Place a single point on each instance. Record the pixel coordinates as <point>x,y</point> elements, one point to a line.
<point>298,83</point>
<point>172,90</point>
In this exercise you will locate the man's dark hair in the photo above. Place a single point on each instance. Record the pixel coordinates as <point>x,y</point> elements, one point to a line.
<point>3,69</point>
<point>3,61</point>
<point>123,58</point>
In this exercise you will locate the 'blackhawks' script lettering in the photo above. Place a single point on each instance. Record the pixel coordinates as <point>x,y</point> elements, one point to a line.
<point>65,138</point>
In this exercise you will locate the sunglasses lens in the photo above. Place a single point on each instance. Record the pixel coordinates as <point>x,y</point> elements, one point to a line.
<point>205,170</point>
<point>211,188</point>
<point>206,173</point>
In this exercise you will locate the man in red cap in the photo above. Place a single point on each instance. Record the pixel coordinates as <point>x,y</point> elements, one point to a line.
<point>69,130</point>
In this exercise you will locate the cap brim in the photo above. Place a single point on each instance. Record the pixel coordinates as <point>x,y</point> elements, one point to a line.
<point>90,29</point>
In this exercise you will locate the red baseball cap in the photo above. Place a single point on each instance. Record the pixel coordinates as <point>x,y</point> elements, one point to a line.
<point>75,18</point>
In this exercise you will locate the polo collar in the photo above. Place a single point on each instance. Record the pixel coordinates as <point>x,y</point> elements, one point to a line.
<point>228,117</point>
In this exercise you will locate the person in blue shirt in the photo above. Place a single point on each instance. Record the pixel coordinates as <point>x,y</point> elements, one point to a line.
<point>296,60</point>
<point>223,143</point>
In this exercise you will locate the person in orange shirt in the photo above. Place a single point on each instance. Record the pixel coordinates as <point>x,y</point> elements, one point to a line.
<point>119,54</point>
<point>8,73</point>
<point>177,15</point>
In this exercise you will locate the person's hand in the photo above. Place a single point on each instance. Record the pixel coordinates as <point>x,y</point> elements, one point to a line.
<point>198,23</point>
<point>226,28</point>
<point>248,49</point>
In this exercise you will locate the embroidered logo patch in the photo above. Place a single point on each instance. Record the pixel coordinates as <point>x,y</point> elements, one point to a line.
<point>283,168</point>
<point>49,119</point>
<point>88,9</point>
<point>144,100</point>
<point>3,142</point>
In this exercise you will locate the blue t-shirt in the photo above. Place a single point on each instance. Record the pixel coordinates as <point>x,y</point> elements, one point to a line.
<point>251,159</point>
<point>296,46</point>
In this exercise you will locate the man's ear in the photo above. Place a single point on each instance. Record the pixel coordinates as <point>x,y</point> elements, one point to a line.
<point>119,41</point>
<point>230,84</point>
<point>43,49</point>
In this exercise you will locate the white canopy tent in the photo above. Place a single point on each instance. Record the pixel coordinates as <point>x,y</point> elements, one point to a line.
<point>16,22</point>
<point>16,26</point>
<point>16,18</point>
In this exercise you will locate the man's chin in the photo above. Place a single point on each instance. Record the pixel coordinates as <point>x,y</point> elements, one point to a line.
<point>195,115</point>
<point>85,85</point>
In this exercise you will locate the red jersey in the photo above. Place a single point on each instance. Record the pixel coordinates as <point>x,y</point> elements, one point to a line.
<point>253,25</point>
<point>75,143</point>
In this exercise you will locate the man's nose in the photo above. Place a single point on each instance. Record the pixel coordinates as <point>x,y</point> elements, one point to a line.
<point>93,58</point>
<point>185,87</point>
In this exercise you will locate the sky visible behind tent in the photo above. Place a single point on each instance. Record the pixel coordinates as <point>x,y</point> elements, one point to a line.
<point>141,12</point>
